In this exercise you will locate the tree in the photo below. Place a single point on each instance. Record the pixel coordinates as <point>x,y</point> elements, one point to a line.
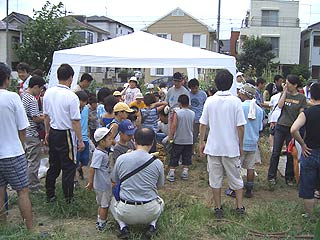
<point>257,53</point>
<point>43,35</point>
<point>302,71</point>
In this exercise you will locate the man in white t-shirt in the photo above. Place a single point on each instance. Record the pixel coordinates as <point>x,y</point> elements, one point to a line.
<point>224,116</point>
<point>13,164</point>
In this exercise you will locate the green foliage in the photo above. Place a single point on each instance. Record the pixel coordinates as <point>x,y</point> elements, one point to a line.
<point>302,71</point>
<point>257,54</point>
<point>14,86</point>
<point>43,35</point>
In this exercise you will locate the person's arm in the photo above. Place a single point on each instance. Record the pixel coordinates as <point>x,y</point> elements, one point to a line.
<point>298,123</point>
<point>161,178</point>
<point>283,97</point>
<point>173,126</point>
<point>46,128</point>
<point>139,119</point>
<point>160,105</point>
<point>76,126</point>
<point>38,119</point>
<point>101,121</point>
<point>202,130</point>
<point>22,135</point>
<point>240,130</point>
<point>90,180</point>
<point>265,95</point>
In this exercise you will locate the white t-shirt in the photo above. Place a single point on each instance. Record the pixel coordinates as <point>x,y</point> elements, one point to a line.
<point>223,113</point>
<point>62,106</point>
<point>274,112</point>
<point>13,118</point>
<point>130,94</point>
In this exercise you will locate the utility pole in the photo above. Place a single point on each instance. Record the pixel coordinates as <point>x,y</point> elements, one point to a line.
<point>218,28</point>
<point>7,34</point>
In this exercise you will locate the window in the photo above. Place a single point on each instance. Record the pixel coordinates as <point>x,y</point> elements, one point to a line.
<point>15,42</point>
<point>196,41</point>
<point>82,37</point>
<point>316,41</point>
<point>306,43</point>
<point>162,35</point>
<point>275,45</point>
<point>87,69</point>
<point>89,37</point>
<point>270,18</point>
<point>177,13</point>
<point>160,71</point>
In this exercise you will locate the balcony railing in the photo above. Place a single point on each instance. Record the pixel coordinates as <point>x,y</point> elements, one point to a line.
<point>271,22</point>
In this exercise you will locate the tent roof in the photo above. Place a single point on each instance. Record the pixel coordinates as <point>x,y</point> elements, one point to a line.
<point>142,50</point>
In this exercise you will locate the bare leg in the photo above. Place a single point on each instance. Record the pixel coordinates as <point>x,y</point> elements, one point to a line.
<point>3,215</point>
<point>250,175</point>
<point>25,206</point>
<point>308,205</point>
<point>103,213</point>
<point>217,197</point>
<point>239,198</point>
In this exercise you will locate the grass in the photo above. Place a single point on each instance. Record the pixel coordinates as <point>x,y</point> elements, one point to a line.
<point>187,215</point>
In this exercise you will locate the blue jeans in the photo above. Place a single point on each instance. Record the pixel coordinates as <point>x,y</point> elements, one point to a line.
<point>281,134</point>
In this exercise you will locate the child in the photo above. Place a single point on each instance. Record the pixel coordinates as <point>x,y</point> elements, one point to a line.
<point>126,131</point>
<point>118,95</point>
<point>138,102</point>
<point>99,178</point>
<point>83,157</point>
<point>131,90</point>
<point>182,138</point>
<point>93,118</point>
<point>108,116</point>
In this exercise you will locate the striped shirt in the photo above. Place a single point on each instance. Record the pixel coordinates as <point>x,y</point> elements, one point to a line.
<point>32,110</point>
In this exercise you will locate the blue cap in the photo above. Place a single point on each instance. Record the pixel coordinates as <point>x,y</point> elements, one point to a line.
<point>127,127</point>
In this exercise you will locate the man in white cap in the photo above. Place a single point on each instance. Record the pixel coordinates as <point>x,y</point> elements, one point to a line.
<point>240,80</point>
<point>131,90</point>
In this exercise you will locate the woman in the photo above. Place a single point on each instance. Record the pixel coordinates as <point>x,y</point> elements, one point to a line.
<point>291,104</point>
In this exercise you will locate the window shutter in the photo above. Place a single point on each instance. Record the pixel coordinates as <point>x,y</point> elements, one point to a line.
<point>203,41</point>
<point>168,71</point>
<point>152,72</point>
<point>169,36</point>
<point>187,38</point>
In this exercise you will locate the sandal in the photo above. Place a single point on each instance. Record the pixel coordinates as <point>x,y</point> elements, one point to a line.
<point>231,193</point>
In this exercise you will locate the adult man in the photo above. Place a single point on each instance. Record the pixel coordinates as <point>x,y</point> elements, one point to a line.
<point>273,88</point>
<point>224,115</point>
<point>84,83</point>
<point>24,75</point>
<point>239,80</point>
<point>259,95</point>
<point>61,110</point>
<point>140,203</point>
<point>33,143</point>
<point>13,164</point>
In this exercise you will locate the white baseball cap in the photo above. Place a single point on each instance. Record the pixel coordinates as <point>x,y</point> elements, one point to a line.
<point>100,133</point>
<point>239,74</point>
<point>150,86</point>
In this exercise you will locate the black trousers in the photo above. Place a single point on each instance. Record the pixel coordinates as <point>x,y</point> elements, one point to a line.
<point>61,157</point>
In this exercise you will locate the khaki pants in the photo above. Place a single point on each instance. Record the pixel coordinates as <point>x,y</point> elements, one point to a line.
<point>33,156</point>
<point>136,214</point>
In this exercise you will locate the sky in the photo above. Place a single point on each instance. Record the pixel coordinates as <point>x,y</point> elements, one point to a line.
<point>141,13</point>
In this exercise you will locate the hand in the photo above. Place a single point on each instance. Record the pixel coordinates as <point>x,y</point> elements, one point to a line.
<point>89,186</point>
<point>81,146</point>
<point>201,148</point>
<point>305,150</point>
<point>46,139</point>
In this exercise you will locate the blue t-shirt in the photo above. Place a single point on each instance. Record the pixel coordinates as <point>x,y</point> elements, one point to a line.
<point>197,102</point>
<point>252,127</point>
<point>84,123</point>
<point>100,112</point>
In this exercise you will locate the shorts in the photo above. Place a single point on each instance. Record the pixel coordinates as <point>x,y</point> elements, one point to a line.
<point>309,174</point>
<point>231,166</point>
<point>14,171</point>
<point>248,159</point>
<point>83,157</point>
<point>103,198</point>
<point>185,151</point>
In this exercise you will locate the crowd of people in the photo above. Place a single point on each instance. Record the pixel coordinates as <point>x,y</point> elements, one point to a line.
<point>125,126</point>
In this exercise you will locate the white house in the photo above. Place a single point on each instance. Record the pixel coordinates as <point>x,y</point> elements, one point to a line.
<point>278,22</point>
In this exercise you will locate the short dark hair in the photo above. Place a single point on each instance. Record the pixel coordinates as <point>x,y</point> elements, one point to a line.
<point>294,79</point>
<point>149,98</point>
<point>223,80</point>
<point>23,67</point>
<point>82,95</point>
<point>144,136</point>
<point>277,77</point>
<point>36,80</point>
<point>193,83</point>
<point>251,81</point>
<point>37,72</point>
<point>64,72</point>
<point>92,99</point>
<point>109,103</point>
<point>183,100</point>
<point>5,72</point>
<point>103,93</point>
<point>260,80</point>
<point>315,91</point>
<point>86,76</point>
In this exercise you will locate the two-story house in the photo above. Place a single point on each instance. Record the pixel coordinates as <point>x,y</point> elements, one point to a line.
<point>181,27</point>
<point>277,21</point>
<point>310,49</point>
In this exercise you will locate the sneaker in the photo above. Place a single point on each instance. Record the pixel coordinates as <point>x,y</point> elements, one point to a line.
<point>152,230</point>
<point>170,177</point>
<point>51,199</point>
<point>218,213</point>
<point>289,183</point>
<point>184,175</point>
<point>272,181</point>
<point>101,227</point>
<point>229,192</point>
<point>80,171</point>
<point>76,184</point>
<point>241,211</point>
<point>248,194</point>
<point>124,233</point>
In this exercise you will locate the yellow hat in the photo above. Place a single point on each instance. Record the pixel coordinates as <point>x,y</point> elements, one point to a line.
<point>121,106</point>
<point>116,93</point>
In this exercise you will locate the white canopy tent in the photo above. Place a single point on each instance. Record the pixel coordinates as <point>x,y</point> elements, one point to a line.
<point>140,50</point>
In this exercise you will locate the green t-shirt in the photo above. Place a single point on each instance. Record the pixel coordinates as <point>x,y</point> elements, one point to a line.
<point>291,109</point>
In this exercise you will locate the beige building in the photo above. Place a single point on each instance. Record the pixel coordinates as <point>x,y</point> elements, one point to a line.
<point>181,27</point>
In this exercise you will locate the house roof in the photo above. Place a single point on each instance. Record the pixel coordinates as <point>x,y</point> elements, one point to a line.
<point>11,27</point>
<point>179,9</point>
<point>315,26</point>
<point>75,24</point>
<point>18,16</point>
<point>96,18</point>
